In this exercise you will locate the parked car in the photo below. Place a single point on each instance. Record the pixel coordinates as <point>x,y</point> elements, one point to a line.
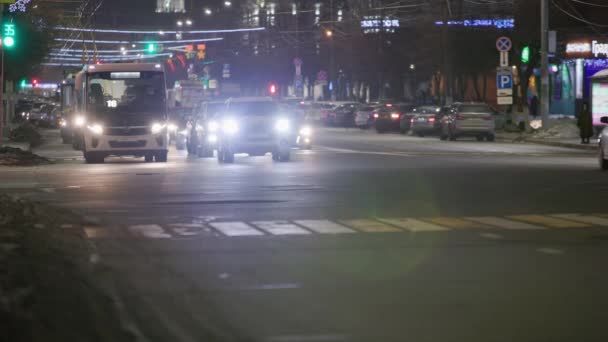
<point>469,119</point>
<point>603,150</point>
<point>426,120</point>
<point>389,117</point>
<point>364,117</point>
<point>343,115</point>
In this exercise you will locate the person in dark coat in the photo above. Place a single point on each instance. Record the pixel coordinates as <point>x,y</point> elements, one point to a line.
<point>534,106</point>
<point>585,124</point>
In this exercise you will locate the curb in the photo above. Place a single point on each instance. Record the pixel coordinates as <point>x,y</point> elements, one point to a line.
<point>590,147</point>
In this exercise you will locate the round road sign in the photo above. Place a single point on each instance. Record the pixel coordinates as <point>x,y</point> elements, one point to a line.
<point>503,44</point>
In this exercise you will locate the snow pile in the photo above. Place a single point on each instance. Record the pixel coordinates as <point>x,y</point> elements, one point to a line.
<point>11,156</point>
<point>558,129</point>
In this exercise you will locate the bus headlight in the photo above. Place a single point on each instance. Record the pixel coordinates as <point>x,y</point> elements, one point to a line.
<point>157,128</point>
<point>212,138</point>
<point>230,126</point>
<point>79,120</point>
<point>306,131</point>
<point>96,129</point>
<point>282,125</point>
<point>213,126</point>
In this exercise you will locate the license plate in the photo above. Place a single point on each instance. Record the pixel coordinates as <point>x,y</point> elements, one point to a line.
<point>421,119</point>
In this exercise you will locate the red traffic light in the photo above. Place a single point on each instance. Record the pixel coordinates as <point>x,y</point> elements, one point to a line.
<point>272,89</point>
<point>34,82</point>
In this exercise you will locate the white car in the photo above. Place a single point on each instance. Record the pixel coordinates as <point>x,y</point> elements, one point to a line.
<point>603,155</point>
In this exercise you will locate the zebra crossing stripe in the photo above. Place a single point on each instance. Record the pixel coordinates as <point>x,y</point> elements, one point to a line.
<point>503,223</point>
<point>235,229</point>
<point>101,232</point>
<point>280,228</point>
<point>593,220</point>
<point>370,226</point>
<point>453,222</point>
<point>151,231</point>
<point>324,226</point>
<point>548,221</point>
<point>413,224</point>
<point>186,229</point>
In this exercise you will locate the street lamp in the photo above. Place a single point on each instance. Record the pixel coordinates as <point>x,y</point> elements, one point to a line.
<point>227,3</point>
<point>412,67</point>
<point>180,23</point>
<point>329,33</point>
<point>188,22</point>
<point>207,11</point>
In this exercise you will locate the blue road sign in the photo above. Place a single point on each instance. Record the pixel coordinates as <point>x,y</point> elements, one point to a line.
<point>504,81</point>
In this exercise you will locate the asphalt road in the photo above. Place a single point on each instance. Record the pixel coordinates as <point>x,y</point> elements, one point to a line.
<point>365,238</point>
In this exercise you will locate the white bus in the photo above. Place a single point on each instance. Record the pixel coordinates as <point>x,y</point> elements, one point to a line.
<point>121,109</point>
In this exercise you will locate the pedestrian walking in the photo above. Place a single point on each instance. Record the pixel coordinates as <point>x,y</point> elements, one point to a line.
<point>534,106</point>
<point>585,124</point>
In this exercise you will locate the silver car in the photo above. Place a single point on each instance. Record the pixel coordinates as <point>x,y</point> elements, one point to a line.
<point>469,119</point>
<point>364,117</point>
<point>426,120</point>
<point>603,154</point>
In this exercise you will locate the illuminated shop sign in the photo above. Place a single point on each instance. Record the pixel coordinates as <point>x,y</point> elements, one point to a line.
<point>508,23</point>
<point>375,24</point>
<point>588,49</point>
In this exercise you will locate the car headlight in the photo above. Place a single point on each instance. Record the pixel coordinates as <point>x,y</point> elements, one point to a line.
<point>63,122</point>
<point>282,125</point>
<point>230,126</point>
<point>172,127</point>
<point>306,131</point>
<point>157,128</point>
<point>213,126</point>
<point>183,132</point>
<point>212,138</point>
<point>96,129</point>
<point>79,121</point>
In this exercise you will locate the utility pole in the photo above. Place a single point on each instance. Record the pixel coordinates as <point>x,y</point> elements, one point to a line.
<point>332,57</point>
<point>2,83</point>
<point>544,62</point>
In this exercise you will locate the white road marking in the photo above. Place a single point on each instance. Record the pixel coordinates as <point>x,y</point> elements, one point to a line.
<point>281,228</point>
<point>101,232</point>
<point>599,221</point>
<point>73,187</point>
<point>503,223</point>
<point>552,251</point>
<point>491,236</point>
<point>413,224</point>
<point>235,229</point>
<point>66,226</point>
<point>284,286</point>
<point>49,190</point>
<point>187,229</point>
<point>370,226</point>
<point>324,226</point>
<point>152,231</point>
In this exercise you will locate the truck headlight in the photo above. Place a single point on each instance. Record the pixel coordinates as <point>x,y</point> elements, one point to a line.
<point>157,128</point>
<point>306,131</point>
<point>230,126</point>
<point>282,125</point>
<point>172,127</point>
<point>79,120</point>
<point>96,129</point>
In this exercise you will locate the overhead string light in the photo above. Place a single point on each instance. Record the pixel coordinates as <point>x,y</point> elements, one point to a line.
<point>160,32</point>
<point>20,5</point>
<point>138,42</point>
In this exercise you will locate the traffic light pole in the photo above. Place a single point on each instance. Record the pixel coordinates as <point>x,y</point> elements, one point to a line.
<point>544,62</point>
<point>2,84</point>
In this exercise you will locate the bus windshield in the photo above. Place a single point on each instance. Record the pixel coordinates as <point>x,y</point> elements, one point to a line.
<point>126,93</point>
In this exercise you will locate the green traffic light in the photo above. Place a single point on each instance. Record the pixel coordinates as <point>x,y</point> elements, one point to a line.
<point>525,54</point>
<point>9,42</point>
<point>151,48</point>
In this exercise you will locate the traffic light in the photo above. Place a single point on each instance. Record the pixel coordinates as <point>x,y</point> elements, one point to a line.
<point>525,54</point>
<point>151,48</point>
<point>272,89</point>
<point>34,82</point>
<point>8,35</point>
<point>22,83</point>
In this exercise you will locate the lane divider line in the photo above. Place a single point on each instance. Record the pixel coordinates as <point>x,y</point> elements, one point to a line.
<point>499,222</point>
<point>589,219</point>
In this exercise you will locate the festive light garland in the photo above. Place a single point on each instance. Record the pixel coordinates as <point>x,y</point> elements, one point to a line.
<point>137,41</point>
<point>108,56</point>
<point>161,32</point>
<point>20,5</point>
<point>62,64</point>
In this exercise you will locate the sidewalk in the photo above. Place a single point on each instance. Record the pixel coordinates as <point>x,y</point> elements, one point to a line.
<point>6,142</point>
<point>559,142</point>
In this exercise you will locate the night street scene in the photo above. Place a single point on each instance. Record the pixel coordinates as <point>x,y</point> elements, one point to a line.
<point>304,170</point>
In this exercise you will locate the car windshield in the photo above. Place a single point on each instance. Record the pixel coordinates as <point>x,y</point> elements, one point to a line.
<point>253,108</point>
<point>120,93</point>
<point>427,110</point>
